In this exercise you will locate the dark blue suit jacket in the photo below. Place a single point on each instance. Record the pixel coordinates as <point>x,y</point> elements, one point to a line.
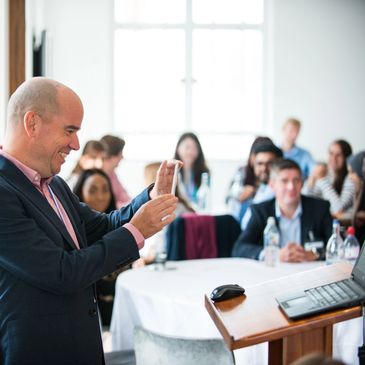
<point>315,217</point>
<point>48,310</point>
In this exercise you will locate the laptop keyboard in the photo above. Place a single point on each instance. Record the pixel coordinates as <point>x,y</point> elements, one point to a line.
<point>330,294</point>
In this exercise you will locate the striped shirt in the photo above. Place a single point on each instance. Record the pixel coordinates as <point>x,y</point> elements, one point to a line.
<point>323,188</point>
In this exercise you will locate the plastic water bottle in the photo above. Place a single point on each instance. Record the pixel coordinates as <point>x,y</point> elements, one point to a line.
<point>271,243</point>
<point>351,246</point>
<point>203,194</point>
<point>335,246</point>
<point>234,204</point>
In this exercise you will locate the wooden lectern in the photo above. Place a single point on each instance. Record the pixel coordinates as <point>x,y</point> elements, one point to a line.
<point>256,317</point>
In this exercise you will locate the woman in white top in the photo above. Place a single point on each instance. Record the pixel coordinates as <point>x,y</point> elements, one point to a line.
<point>332,182</point>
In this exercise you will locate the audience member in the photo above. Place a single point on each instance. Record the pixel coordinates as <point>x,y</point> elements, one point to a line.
<point>300,219</point>
<point>302,157</point>
<point>333,183</point>
<point>92,156</point>
<point>114,154</point>
<point>265,155</point>
<point>189,151</point>
<point>94,188</point>
<point>356,166</point>
<point>52,247</point>
<point>243,185</point>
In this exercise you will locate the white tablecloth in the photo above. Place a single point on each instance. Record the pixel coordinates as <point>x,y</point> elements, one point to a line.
<point>171,302</point>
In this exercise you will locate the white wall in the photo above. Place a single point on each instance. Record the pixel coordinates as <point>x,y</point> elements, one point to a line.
<point>315,52</point>
<point>79,47</point>
<point>319,70</point>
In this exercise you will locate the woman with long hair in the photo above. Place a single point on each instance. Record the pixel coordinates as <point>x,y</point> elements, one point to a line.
<point>331,181</point>
<point>189,151</point>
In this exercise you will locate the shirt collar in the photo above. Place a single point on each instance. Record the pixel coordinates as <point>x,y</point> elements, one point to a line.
<point>33,176</point>
<point>297,213</point>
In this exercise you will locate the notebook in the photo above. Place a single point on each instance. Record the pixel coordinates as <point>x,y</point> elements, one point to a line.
<point>339,294</point>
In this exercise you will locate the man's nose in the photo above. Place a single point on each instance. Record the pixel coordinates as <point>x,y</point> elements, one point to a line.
<point>75,144</point>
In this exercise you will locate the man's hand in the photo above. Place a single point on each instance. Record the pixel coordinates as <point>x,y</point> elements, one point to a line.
<point>164,178</point>
<point>152,216</point>
<point>293,252</point>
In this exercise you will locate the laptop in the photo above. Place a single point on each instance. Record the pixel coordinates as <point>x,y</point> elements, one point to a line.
<point>344,293</point>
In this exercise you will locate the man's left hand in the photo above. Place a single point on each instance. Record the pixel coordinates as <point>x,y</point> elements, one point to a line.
<point>164,178</point>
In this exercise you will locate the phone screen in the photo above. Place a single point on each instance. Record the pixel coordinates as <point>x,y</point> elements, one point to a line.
<point>174,179</point>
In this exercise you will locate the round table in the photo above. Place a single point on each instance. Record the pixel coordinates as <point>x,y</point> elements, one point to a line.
<point>171,302</point>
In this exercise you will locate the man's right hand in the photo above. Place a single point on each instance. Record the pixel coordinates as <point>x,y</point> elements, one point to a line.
<point>152,216</point>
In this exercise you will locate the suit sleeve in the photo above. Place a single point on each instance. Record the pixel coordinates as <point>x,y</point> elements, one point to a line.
<point>250,241</point>
<point>32,250</point>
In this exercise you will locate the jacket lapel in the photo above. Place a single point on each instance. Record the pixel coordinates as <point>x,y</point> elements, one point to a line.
<point>21,183</point>
<point>66,206</point>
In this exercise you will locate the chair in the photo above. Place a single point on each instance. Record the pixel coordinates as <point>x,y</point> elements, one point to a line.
<point>227,231</point>
<point>155,349</point>
<point>120,358</point>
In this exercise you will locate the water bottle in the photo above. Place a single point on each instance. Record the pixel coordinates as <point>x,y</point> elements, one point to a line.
<point>234,204</point>
<point>203,195</point>
<point>161,251</point>
<point>335,246</point>
<point>351,246</point>
<point>271,243</point>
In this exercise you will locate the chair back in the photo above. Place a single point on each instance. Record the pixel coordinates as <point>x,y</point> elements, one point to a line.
<point>156,349</point>
<point>196,237</point>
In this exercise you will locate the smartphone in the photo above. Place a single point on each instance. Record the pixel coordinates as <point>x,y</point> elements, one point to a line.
<point>174,179</point>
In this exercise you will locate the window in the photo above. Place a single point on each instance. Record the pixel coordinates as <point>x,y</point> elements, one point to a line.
<point>188,65</point>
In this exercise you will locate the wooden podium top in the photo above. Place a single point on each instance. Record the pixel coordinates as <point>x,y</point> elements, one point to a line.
<point>256,317</point>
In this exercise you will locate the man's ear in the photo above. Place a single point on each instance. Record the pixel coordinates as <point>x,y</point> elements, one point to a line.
<point>31,123</point>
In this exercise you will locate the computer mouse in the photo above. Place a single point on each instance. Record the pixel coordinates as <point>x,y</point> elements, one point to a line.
<point>226,291</point>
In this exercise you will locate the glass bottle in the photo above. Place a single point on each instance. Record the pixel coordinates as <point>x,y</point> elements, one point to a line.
<point>335,246</point>
<point>203,195</point>
<point>271,243</point>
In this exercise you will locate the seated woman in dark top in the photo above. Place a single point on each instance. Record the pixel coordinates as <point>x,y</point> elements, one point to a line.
<point>93,187</point>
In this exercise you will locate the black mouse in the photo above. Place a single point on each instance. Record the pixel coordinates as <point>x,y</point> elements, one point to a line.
<point>227,291</point>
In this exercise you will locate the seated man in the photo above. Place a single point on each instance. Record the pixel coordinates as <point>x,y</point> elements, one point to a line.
<point>300,219</point>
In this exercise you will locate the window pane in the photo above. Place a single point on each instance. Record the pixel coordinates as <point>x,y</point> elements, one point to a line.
<point>228,11</point>
<point>227,67</point>
<point>148,69</point>
<point>147,11</point>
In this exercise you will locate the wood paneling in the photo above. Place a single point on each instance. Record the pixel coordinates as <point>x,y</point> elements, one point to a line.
<point>16,44</point>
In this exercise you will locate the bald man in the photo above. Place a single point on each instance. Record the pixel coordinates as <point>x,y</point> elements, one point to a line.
<point>52,247</point>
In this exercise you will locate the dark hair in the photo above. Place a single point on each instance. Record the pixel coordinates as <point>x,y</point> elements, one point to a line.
<point>268,147</point>
<point>113,145</point>
<point>199,165</point>
<point>249,176</point>
<point>342,173</point>
<point>84,175</point>
<point>284,164</point>
<point>91,145</point>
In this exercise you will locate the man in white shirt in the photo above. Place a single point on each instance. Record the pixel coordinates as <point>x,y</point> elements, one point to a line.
<point>300,219</point>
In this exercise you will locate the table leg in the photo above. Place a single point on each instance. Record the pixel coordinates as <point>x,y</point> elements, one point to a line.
<point>286,350</point>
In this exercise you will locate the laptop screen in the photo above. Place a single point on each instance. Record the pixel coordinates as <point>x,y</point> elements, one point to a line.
<point>359,269</point>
